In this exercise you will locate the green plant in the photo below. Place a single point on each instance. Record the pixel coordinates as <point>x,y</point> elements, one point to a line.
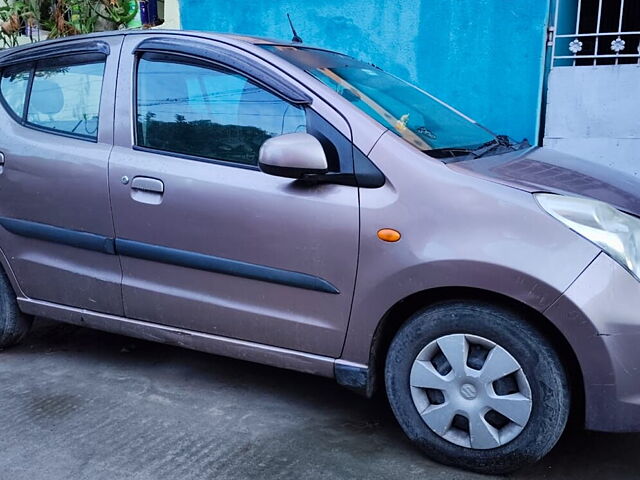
<point>9,24</point>
<point>82,15</point>
<point>120,12</point>
<point>16,15</point>
<point>71,17</point>
<point>61,18</point>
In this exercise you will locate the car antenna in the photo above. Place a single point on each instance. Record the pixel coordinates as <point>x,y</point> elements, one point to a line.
<point>296,38</point>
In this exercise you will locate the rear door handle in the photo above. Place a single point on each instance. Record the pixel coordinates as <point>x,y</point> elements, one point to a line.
<point>1,162</point>
<point>147,184</point>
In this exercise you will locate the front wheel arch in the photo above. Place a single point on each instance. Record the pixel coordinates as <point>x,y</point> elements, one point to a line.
<point>403,310</point>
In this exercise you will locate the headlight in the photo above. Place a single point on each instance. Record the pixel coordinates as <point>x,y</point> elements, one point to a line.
<point>615,232</point>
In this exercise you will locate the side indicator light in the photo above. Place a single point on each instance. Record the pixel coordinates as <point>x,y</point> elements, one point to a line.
<point>389,235</point>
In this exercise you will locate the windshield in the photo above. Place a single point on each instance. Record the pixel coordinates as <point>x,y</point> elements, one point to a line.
<point>413,114</point>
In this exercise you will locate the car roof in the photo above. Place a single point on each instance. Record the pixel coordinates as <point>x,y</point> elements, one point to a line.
<point>232,39</point>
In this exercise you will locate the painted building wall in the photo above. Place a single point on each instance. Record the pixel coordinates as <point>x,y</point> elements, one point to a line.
<point>485,57</point>
<point>593,113</point>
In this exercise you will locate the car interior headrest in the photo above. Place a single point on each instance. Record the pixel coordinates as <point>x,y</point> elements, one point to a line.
<point>46,97</point>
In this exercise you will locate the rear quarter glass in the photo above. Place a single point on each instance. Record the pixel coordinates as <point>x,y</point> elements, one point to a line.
<point>14,82</point>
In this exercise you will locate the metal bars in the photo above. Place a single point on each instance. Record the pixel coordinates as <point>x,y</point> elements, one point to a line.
<point>597,24</point>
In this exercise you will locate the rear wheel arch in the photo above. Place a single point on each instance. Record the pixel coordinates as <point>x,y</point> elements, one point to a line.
<point>403,310</point>
<point>14,324</point>
<point>5,267</point>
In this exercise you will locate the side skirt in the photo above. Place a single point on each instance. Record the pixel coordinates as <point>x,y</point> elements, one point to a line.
<point>217,345</point>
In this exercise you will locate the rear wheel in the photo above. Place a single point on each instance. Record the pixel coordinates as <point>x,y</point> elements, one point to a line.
<point>476,386</point>
<point>14,325</point>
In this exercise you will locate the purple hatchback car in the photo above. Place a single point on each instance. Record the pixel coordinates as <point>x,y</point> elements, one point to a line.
<point>300,208</point>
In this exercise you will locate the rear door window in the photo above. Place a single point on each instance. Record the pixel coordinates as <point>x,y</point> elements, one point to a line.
<point>14,82</point>
<point>65,96</point>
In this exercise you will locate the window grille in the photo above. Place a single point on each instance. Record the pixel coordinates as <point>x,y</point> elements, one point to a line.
<point>596,32</point>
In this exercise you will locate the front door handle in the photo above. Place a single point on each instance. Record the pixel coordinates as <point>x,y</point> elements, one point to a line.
<point>147,184</point>
<point>1,162</point>
<point>147,190</point>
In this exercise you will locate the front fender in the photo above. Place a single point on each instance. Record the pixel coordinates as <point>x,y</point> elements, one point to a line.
<point>457,231</point>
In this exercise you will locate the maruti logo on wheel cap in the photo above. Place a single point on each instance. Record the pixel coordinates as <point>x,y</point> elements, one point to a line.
<point>468,391</point>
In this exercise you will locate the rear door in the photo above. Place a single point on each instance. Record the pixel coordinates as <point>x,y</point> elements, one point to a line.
<point>207,241</point>
<point>55,138</point>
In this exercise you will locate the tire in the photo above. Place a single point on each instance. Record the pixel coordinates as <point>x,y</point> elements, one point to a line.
<point>498,445</point>
<point>14,325</point>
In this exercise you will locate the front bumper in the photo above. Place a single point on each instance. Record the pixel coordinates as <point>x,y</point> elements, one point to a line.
<point>600,317</point>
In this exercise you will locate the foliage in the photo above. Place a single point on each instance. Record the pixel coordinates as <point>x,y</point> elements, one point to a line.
<point>15,16</point>
<point>61,18</point>
<point>120,12</point>
<point>235,143</point>
<point>70,17</point>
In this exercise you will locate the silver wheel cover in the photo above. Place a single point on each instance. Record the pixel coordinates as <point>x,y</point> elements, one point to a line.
<point>466,392</point>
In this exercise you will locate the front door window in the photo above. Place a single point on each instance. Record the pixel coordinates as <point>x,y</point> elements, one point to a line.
<point>200,111</point>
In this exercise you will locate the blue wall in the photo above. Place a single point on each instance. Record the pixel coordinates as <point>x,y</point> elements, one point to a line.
<point>484,57</point>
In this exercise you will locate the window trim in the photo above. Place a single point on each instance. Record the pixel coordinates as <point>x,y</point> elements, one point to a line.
<point>62,133</point>
<point>27,96</point>
<point>195,158</point>
<point>47,51</point>
<point>228,59</point>
<point>199,62</point>
<point>77,60</point>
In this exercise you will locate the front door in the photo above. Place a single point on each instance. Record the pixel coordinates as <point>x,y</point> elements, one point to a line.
<point>56,134</point>
<point>207,241</point>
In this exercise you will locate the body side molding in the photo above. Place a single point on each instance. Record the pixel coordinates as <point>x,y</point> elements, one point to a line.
<point>225,266</point>
<point>65,236</point>
<point>172,256</point>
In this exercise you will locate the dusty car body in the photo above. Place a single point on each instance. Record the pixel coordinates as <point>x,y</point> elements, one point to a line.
<point>289,270</point>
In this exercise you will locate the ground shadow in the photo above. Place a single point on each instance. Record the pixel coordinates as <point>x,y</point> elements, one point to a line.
<point>360,428</point>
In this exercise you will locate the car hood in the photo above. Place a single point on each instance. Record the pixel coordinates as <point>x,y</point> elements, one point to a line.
<point>546,170</point>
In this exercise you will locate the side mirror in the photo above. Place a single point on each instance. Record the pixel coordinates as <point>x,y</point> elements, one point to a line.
<point>292,155</point>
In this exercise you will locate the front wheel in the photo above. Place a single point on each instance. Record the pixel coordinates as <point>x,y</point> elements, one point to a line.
<point>475,386</point>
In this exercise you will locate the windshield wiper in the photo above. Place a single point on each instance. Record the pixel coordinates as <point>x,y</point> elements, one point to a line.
<point>452,152</point>
<point>500,142</point>
<point>482,150</point>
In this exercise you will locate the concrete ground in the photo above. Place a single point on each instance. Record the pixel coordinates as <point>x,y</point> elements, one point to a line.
<point>81,404</point>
